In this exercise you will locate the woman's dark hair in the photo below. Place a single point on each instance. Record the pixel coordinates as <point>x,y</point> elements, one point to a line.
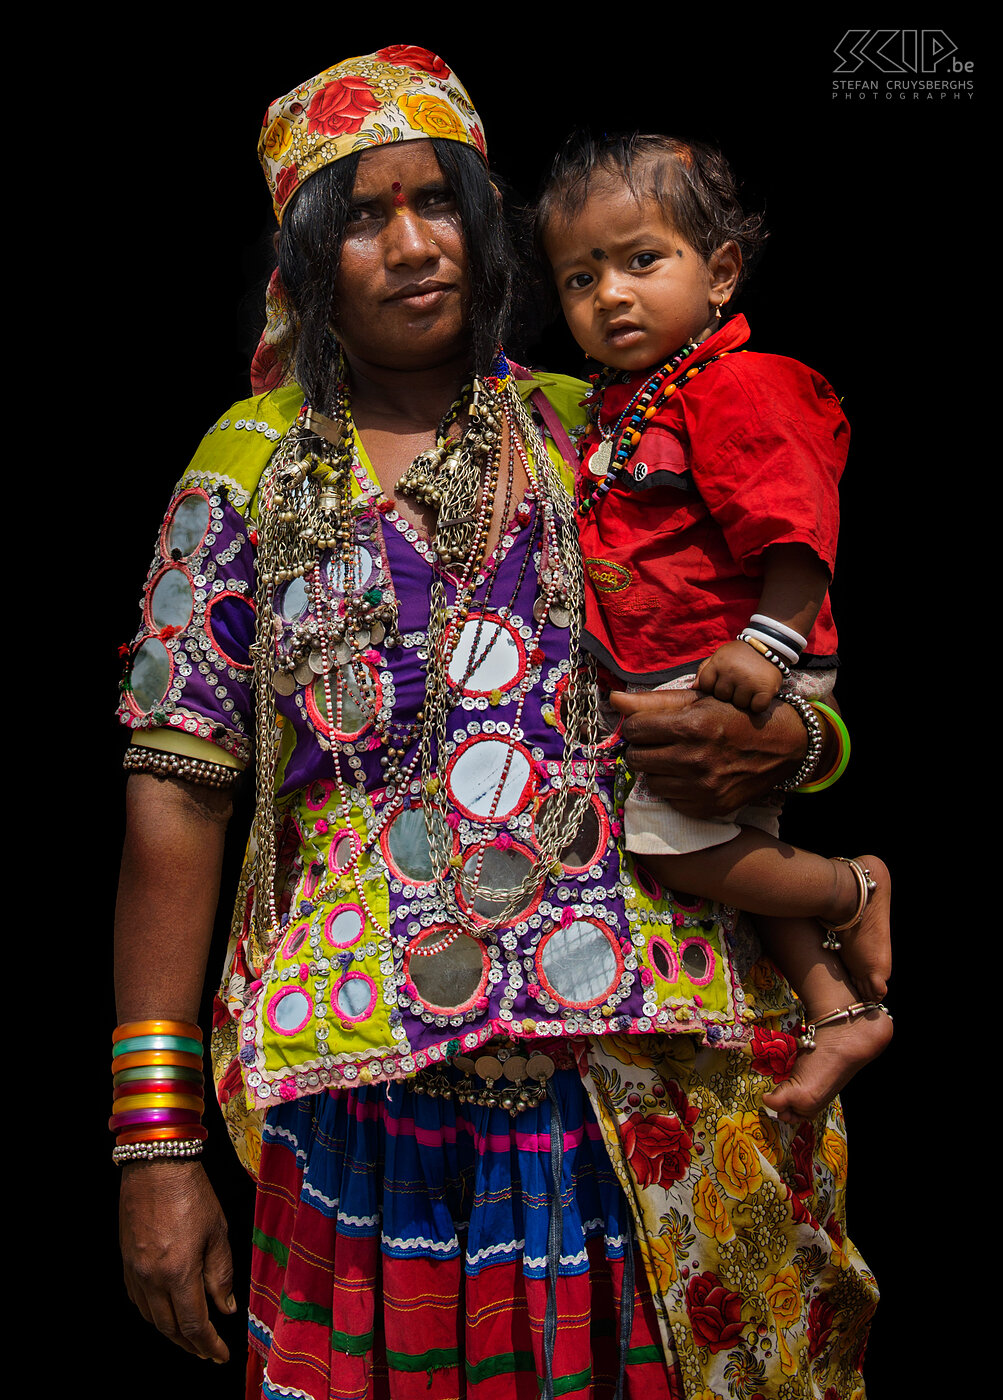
<point>309,254</point>
<point>692,183</point>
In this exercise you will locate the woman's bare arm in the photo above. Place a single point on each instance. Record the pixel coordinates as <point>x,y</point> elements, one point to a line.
<point>172,1230</point>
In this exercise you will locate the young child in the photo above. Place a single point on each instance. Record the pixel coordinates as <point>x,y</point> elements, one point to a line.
<point>709,512</point>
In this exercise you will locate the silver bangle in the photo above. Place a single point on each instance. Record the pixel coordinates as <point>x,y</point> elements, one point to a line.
<point>160,763</point>
<point>147,1151</point>
<point>816,741</point>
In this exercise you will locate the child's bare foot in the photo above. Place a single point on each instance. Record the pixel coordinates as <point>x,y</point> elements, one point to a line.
<point>865,947</point>
<point>841,1049</point>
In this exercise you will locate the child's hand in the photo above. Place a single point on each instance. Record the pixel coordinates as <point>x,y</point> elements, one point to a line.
<point>738,673</point>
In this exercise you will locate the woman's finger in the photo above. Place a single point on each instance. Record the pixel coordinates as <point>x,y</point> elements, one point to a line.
<point>218,1271</point>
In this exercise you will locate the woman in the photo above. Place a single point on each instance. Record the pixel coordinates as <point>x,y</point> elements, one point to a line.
<point>457,1033</point>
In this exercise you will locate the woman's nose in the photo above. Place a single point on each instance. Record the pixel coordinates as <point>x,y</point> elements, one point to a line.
<point>410,241</point>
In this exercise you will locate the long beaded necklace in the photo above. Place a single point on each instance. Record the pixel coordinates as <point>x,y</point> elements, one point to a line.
<point>618,444</point>
<point>308,508</point>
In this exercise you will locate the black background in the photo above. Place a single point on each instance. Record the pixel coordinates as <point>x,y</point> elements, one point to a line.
<point>873,275</point>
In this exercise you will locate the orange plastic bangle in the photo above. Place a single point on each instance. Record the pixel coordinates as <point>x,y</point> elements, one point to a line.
<point>155,1028</point>
<point>156,1057</point>
<point>175,1131</point>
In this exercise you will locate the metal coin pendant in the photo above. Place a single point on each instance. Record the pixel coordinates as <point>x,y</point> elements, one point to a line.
<point>515,1068</point>
<point>560,616</point>
<point>305,673</point>
<point>317,663</point>
<point>343,653</point>
<point>540,1066</point>
<point>488,1067</point>
<point>539,609</point>
<point>600,460</point>
<point>283,682</point>
<point>464,1063</point>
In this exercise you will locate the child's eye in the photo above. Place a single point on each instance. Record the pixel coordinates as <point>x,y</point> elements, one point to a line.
<point>643,260</point>
<point>579,281</point>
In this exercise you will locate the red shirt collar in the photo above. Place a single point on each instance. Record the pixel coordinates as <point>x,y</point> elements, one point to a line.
<point>732,334</point>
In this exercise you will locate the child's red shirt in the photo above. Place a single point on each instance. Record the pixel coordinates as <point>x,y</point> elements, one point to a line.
<point>746,454</point>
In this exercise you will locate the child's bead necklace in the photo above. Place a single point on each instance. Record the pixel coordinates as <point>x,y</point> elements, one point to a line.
<point>613,453</point>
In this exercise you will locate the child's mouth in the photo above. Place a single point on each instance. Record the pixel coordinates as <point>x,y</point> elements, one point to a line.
<point>624,333</point>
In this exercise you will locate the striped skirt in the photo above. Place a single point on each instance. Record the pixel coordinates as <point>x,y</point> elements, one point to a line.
<point>401,1250</point>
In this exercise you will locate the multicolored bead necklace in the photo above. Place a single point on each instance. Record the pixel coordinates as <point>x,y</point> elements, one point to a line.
<point>617,447</point>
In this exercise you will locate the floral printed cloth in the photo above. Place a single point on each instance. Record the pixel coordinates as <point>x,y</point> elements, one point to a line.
<point>740,1217</point>
<point>400,93</point>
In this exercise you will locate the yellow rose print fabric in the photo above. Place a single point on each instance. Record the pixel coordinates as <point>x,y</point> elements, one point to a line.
<point>740,1218</point>
<point>398,93</point>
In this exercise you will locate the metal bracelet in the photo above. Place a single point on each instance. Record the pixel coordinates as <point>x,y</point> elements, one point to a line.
<point>147,1151</point>
<point>162,764</point>
<point>846,1013</point>
<point>816,743</point>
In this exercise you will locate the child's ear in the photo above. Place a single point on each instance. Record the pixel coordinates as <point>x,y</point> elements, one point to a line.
<point>725,264</point>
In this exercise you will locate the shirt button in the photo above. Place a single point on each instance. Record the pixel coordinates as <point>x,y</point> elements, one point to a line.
<point>640,471</point>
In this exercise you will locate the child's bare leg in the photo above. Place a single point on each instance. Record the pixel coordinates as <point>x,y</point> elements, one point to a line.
<point>841,1049</point>
<point>865,949</point>
<point>763,875</point>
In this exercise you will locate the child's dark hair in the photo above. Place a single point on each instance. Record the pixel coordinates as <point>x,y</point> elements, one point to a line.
<point>693,184</point>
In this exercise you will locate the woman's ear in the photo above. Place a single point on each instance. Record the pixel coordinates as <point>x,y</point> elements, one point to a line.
<point>725,264</point>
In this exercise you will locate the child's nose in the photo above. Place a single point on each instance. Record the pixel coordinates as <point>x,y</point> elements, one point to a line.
<point>611,290</point>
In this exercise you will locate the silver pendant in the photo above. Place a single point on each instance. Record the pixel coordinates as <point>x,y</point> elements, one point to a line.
<point>599,462</point>
<point>283,683</point>
<point>560,616</point>
<point>305,673</point>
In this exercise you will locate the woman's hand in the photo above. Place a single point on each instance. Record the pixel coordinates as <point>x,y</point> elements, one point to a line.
<point>175,1251</point>
<point>705,756</point>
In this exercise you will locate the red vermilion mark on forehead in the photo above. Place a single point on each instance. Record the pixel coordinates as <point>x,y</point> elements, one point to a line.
<point>400,198</point>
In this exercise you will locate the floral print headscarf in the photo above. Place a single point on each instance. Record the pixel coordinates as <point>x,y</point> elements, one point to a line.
<point>400,93</point>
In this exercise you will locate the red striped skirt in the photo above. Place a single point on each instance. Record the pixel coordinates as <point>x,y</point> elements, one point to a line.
<point>401,1250</point>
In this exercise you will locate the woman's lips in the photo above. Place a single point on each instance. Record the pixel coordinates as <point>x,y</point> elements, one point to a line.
<point>422,297</point>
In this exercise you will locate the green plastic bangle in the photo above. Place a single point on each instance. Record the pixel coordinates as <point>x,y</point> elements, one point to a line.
<point>179,1072</point>
<point>157,1042</point>
<point>836,723</point>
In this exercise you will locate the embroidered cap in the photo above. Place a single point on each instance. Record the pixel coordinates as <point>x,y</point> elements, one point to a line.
<point>400,93</point>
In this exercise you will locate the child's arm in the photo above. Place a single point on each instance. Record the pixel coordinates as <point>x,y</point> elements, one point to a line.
<point>794,587</point>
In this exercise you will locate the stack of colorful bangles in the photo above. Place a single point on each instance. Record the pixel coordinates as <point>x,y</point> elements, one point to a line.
<point>158,1094</point>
